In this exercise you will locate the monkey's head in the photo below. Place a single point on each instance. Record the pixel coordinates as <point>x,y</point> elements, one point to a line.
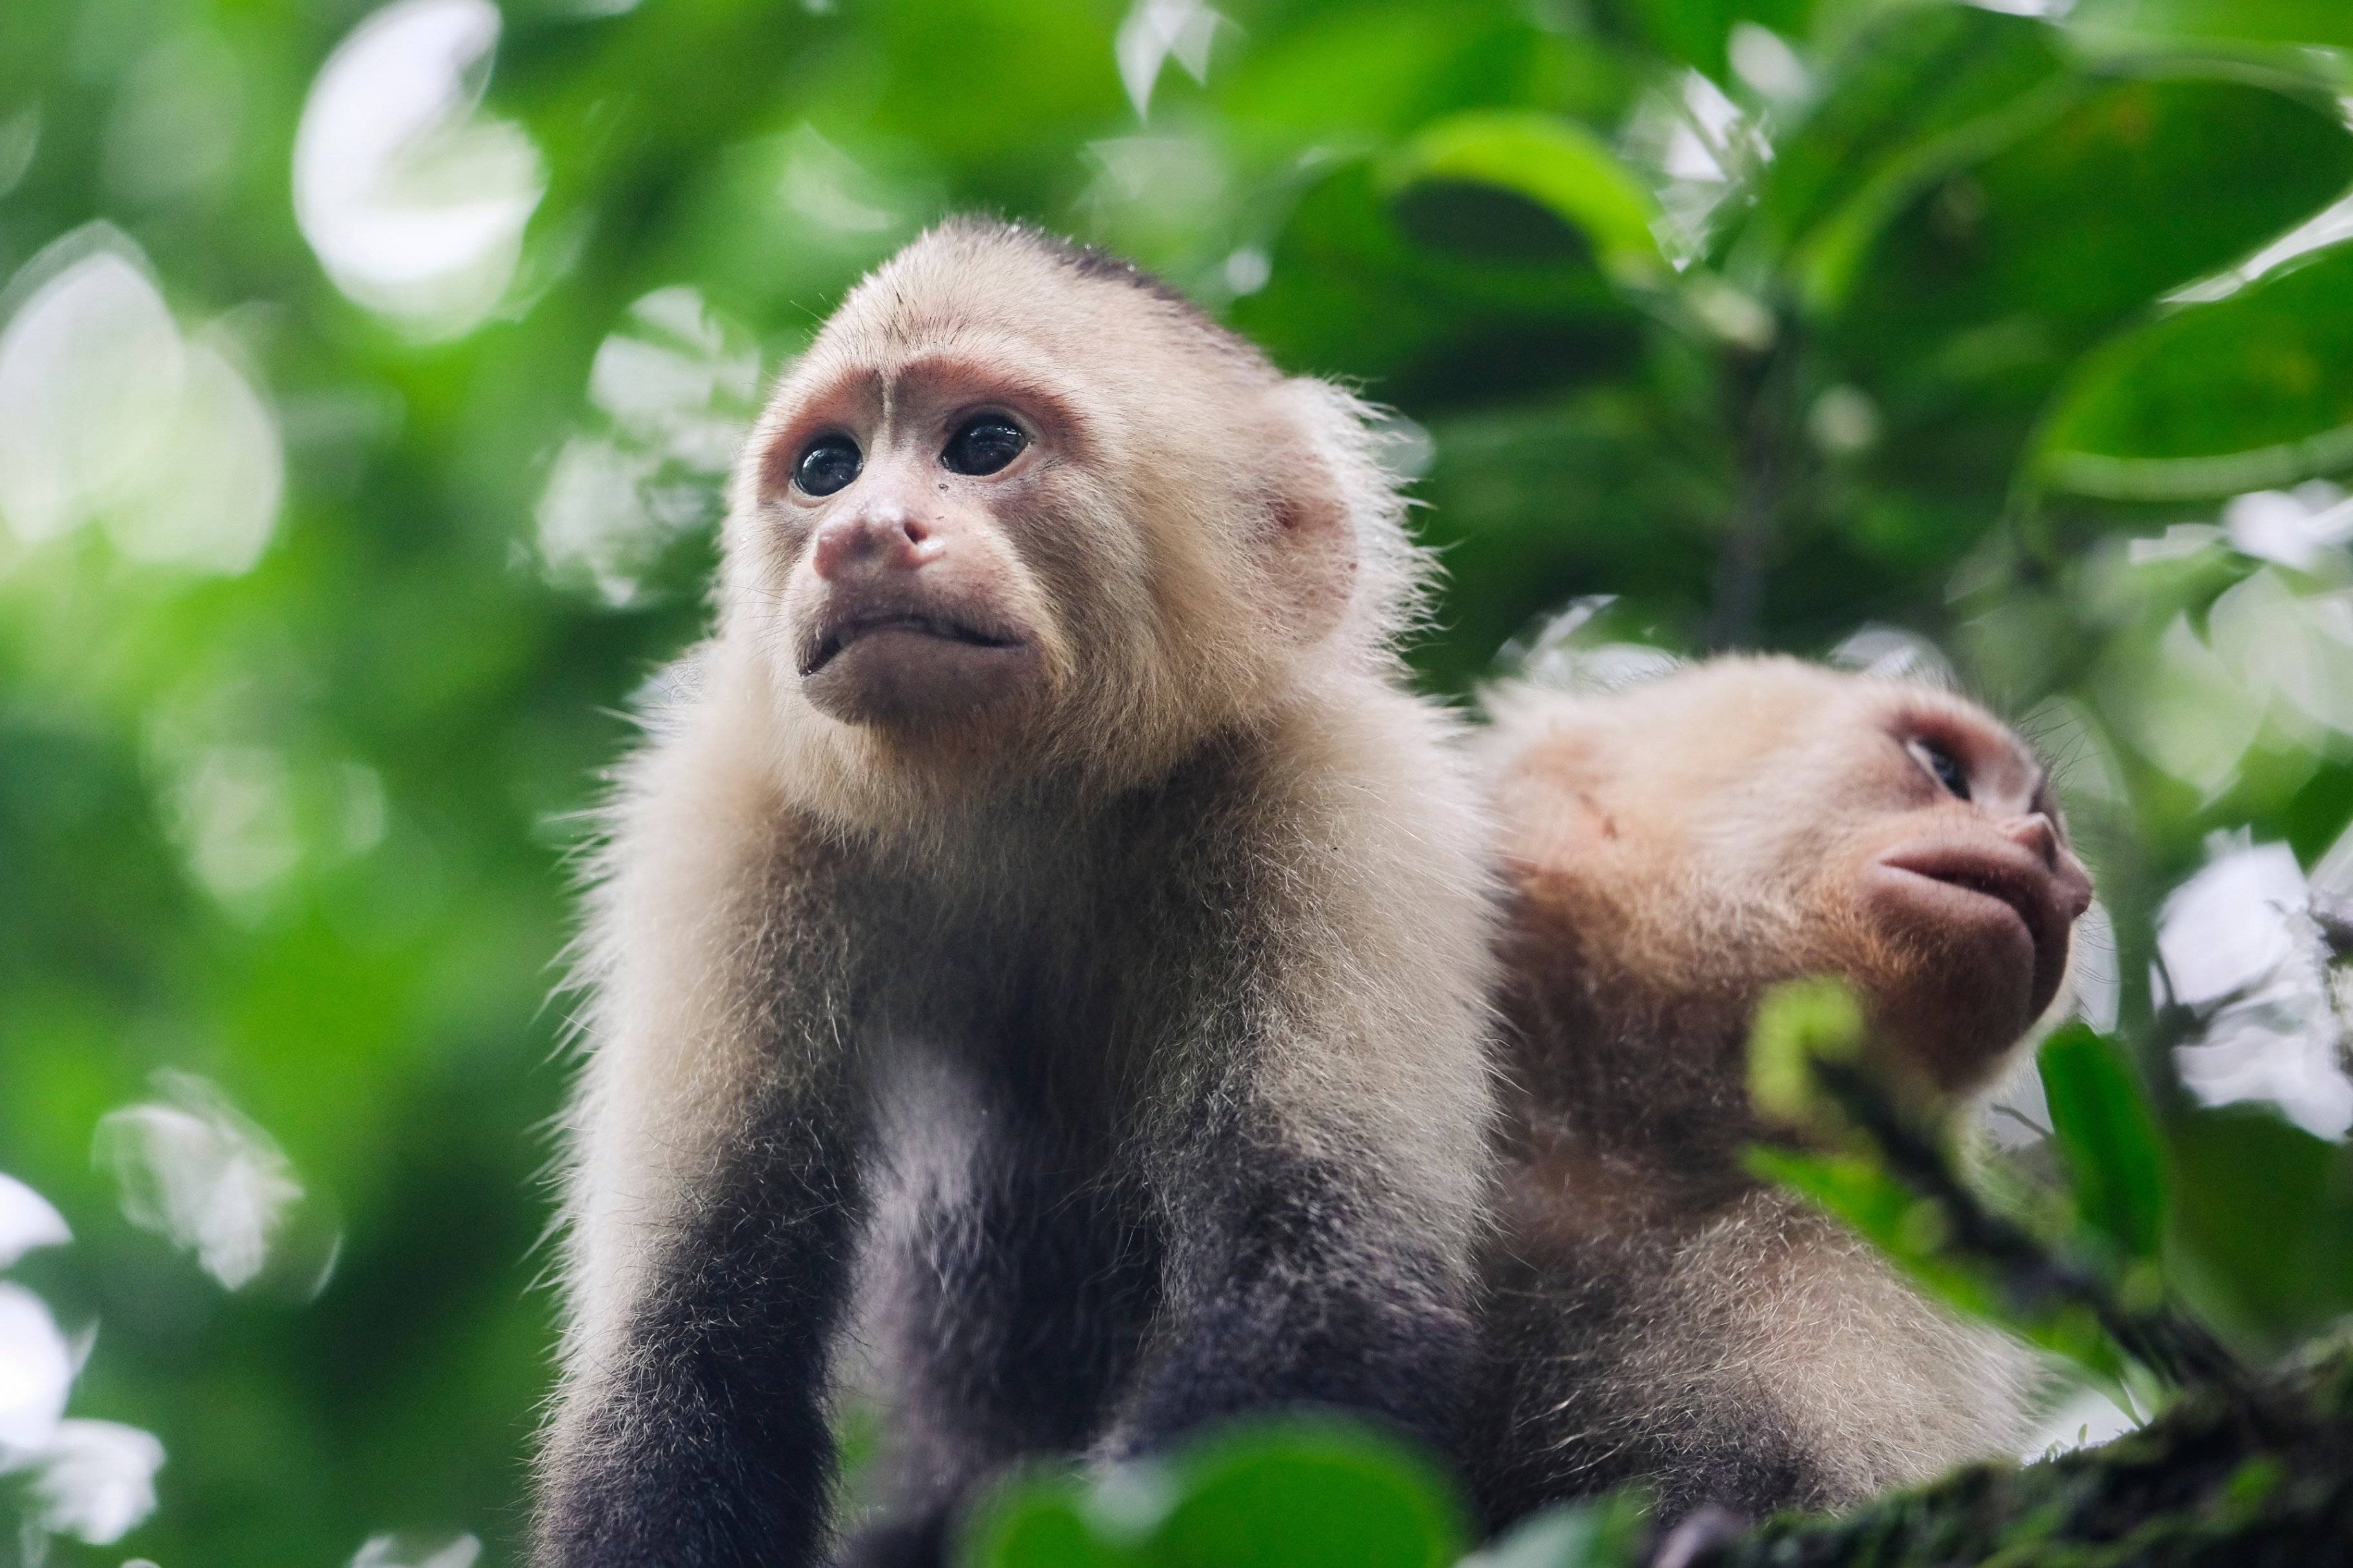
<point>1021,509</point>
<point>1696,839</point>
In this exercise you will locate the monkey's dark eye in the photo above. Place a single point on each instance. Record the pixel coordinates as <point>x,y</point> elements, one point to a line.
<point>828,463</point>
<point>1943,766</point>
<point>984,446</point>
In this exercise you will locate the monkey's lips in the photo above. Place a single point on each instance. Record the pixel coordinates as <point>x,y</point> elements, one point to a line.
<point>1989,895</point>
<point>894,662</point>
<point>857,628</point>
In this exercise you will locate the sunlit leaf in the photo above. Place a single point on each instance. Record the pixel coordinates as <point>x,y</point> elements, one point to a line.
<point>1381,71</point>
<point>2251,392</point>
<point>36,1369</point>
<point>1566,193</point>
<point>28,1220</point>
<point>2107,1137</point>
<point>2275,22</point>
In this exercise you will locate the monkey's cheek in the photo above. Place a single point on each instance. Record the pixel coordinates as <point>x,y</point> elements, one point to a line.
<point>910,681</point>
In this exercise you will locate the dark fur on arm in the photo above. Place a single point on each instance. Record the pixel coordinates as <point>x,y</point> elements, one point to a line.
<point>1288,1289</point>
<point>709,1444</point>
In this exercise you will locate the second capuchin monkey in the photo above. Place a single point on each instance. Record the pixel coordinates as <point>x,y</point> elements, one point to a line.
<point>1042,899</point>
<point>1655,1313</point>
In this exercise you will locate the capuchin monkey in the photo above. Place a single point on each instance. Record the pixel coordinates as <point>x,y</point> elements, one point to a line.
<point>1042,901</point>
<point>1654,1313</point>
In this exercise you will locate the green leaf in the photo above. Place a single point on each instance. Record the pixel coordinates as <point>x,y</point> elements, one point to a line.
<point>2177,22</point>
<point>1917,92</point>
<point>1290,1495</point>
<point>1372,74</point>
<point>2107,1138</point>
<point>1999,273</point>
<point>1350,293</point>
<point>1041,1522</point>
<point>2263,1230</point>
<point>1697,31</point>
<point>1552,171</point>
<point>1312,1496</point>
<point>1799,1023</point>
<point>2251,392</point>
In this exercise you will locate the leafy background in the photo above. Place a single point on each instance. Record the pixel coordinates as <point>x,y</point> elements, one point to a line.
<point>365,381</point>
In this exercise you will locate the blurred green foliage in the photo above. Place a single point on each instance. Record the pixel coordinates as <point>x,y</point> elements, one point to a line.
<point>1771,317</point>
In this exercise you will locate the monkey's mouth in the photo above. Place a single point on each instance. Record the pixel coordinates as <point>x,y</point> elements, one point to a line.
<point>858,627</point>
<point>908,664</point>
<point>1997,891</point>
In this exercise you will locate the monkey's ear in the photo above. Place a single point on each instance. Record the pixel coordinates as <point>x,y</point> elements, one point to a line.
<point>1311,547</point>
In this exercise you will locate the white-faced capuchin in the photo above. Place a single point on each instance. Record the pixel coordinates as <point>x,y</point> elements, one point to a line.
<point>1654,1313</point>
<point>1044,901</point>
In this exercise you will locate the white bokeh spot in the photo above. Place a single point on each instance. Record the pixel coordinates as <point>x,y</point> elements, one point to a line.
<point>95,1481</point>
<point>110,415</point>
<point>197,1171</point>
<point>677,387</point>
<point>1156,32</point>
<point>414,201</point>
<point>28,1220</point>
<point>2238,943</point>
<point>36,1368</point>
<point>400,1551</point>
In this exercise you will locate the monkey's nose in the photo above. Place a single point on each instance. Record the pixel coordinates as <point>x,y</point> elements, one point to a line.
<point>885,538</point>
<point>2035,835</point>
<point>2040,838</point>
<point>2075,884</point>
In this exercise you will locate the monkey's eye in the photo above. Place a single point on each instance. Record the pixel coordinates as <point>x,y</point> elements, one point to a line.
<point>985,445</point>
<point>828,464</point>
<point>1943,766</point>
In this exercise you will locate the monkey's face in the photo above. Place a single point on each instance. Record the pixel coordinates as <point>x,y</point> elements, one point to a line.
<point>894,505</point>
<point>1748,822</point>
<point>1949,890</point>
<point>1009,514</point>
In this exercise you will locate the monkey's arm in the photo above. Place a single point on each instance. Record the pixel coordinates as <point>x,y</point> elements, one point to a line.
<point>696,1432</point>
<point>712,1198</point>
